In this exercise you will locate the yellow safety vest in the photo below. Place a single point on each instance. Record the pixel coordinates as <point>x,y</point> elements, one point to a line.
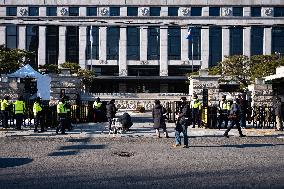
<point>36,108</point>
<point>4,104</point>
<point>196,104</point>
<point>224,105</point>
<point>97,104</point>
<point>60,108</point>
<point>19,107</point>
<point>228,105</point>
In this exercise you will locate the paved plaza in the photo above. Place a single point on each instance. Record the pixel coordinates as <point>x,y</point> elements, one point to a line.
<point>89,158</point>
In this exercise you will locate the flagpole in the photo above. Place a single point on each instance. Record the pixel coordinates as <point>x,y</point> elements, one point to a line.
<point>192,55</point>
<point>91,40</point>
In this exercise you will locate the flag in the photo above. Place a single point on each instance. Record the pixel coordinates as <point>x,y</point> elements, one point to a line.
<point>91,35</point>
<point>189,34</point>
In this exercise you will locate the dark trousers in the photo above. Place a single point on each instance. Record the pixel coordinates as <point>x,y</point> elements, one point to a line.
<point>223,117</point>
<point>62,125</point>
<point>109,123</point>
<point>195,117</point>
<point>38,121</point>
<point>181,128</point>
<point>19,120</point>
<point>237,123</point>
<point>5,118</point>
<point>243,120</point>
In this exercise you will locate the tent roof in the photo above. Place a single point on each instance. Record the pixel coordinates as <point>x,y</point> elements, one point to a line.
<point>26,71</point>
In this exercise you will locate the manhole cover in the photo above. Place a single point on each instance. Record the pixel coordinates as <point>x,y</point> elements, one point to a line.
<point>124,154</point>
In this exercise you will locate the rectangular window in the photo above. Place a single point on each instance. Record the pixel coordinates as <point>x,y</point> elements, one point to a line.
<point>256,40</point>
<point>12,36</point>
<point>196,42</point>
<point>255,11</point>
<point>95,43</point>
<point>144,70</point>
<point>173,11</point>
<point>32,44</point>
<point>278,40</point>
<point>278,11</point>
<point>214,11</point>
<point>133,43</point>
<point>113,43</point>
<point>72,44</point>
<point>236,41</point>
<point>237,11</point>
<point>155,11</point>
<point>153,49</point>
<point>51,11</point>
<point>91,11</point>
<point>52,44</point>
<point>196,11</point>
<point>114,11</point>
<point>215,46</point>
<point>174,41</point>
<point>132,11</point>
<point>73,11</point>
<point>33,11</point>
<point>11,11</point>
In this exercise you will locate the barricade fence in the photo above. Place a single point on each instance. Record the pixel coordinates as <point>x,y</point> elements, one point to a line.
<point>258,117</point>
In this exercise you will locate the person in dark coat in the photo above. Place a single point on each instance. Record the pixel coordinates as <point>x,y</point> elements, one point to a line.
<point>159,118</point>
<point>234,116</point>
<point>125,121</point>
<point>278,114</point>
<point>110,111</point>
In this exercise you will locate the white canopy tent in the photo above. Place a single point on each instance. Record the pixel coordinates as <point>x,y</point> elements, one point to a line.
<point>43,81</point>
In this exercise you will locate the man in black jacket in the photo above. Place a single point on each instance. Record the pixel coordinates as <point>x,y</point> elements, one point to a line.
<point>111,111</point>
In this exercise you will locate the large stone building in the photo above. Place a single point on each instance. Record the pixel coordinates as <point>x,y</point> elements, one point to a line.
<point>141,46</point>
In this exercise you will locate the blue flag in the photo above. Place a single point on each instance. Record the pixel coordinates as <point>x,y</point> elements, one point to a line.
<point>189,34</point>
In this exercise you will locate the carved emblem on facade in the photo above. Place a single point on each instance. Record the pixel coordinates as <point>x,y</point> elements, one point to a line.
<point>104,11</point>
<point>164,72</point>
<point>145,11</point>
<point>185,11</point>
<point>227,11</point>
<point>268,11</point>
<point>63,11</point>
<point>23,12</point>
<point>102,62</point>
<point>144,62</point>
<point>123,72</point>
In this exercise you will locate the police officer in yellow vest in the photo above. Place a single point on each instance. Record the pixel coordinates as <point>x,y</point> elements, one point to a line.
<point>4,110</point>
<point>224,108</point>
<point>62,114</point>
<point>196,111</point>
<point>37,110</point>
<point>19,111</point>
<point>68,113</point>
<point>97,105</point>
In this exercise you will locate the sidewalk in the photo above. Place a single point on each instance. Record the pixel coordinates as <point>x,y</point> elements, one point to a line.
<point>142,127</point>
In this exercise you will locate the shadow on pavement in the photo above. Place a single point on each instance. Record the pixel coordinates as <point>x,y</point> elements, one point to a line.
<point>63,153</point>
<point>238,146</point>
<point>82,147</point>
<point>13,162</point>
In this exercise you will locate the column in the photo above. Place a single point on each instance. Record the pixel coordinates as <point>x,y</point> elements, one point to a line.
<point>103,44</point>
<point>164,11</point>
<point>42,11</point>
<point>122,64</point>
<point>143,42</point>
<point>83,11</point>
<point>225,42</point>
<point>267,43</point>
<point>82,46</point>
<point>246,42</point>
<point>123,11</point>
<point>205,11</point>
<point>2,35</point>
<point>204,48</point>
<point>22,37</point>
<point>246,11</point>
<point>164,51</point>
<point>184,45</point>
<point>62,45</point>
<point>41,45</point>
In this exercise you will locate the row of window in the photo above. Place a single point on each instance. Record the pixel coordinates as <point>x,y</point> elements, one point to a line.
<point>133,42</point>
<point>154,11</point>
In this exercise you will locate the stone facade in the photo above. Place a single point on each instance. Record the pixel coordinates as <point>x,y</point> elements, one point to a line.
<point>10,87</point>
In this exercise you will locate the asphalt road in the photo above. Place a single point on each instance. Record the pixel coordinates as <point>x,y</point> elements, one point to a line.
<point>141,162</point>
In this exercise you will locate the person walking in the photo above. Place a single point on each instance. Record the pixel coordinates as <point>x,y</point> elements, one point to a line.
<point>37,110</point>
<point>196,111</point>
<point>159,118</point>
<point>5,111</point>
<point>19,111</point>
<point>234,117</point>
<point>243,110</point>
<point>278,114</point>
<point>62,115</point>
<point>111,111</point>
<point>224,107</point>
<point>182,123</point>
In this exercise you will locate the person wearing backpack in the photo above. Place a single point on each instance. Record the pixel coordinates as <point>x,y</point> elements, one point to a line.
<point>234,117</point>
